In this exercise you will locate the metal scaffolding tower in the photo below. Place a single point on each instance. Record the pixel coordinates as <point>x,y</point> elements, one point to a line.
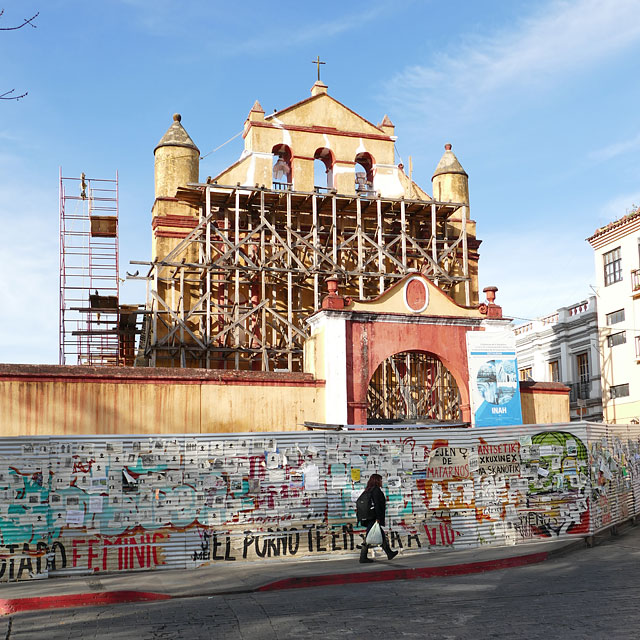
<point>90,315</point>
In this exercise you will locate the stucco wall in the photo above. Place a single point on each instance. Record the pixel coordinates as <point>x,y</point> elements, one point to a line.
<point>52,400</point>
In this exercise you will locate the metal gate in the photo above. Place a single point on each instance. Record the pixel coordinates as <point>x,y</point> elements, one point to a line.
<point>412,386</point>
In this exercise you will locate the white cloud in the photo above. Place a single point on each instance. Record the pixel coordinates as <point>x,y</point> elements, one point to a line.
<point>161,18</point>
<point>288,35</point>
<point>616,149</point>
<point>561,37</point>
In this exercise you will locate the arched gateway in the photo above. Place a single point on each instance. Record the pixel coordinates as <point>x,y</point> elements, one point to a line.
<point>401,356</point>
<point>412,386</point>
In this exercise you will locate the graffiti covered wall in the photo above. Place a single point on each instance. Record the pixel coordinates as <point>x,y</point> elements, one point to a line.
<point>103,504</point>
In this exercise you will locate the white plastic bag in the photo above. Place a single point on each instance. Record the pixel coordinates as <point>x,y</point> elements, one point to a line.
<point>374,537</point>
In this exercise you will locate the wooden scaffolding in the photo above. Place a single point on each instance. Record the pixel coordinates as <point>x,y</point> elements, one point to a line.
<point>235,292</point>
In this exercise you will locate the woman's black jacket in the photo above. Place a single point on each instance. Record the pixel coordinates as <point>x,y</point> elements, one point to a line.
<point>379,504</point>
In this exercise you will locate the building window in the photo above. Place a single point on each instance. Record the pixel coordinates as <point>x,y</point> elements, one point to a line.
<point>554,371</point>
<point>616,339</point>
<point>323,170</point>
<point>525,374</point>
<point>364,179</point>
<point>612,267</point>
<point>619,390</point>
<point>638,347</point>
<point>582,362</point>
<point>281,172</point>
<point>615,316</point>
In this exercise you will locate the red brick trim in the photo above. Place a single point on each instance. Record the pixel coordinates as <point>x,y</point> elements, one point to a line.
<point>319,129</point>
<point>138,375</point>
<point>187,222</point>
<point>159,233</point>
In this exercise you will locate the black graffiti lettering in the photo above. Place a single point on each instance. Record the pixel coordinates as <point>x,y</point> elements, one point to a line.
<point>334,536</point>
<point>203,554</point>
<point>319,541</point>
<point>25,562</point>
<point>294,536</point>
<point>415,537</point>
<point>396,541</point>
<point>227,550</point>
<point>248,541</point>
<point>58,546</point>
<point>310,539</point>
<point>12,548</point>
<point>256,544</point>
<point>347,536</point>
<point>272,547</point>
<point>214,548</point>
<point>43,550</point>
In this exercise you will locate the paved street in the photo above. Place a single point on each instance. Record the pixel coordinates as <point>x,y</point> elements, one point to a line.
<point>587,594</point>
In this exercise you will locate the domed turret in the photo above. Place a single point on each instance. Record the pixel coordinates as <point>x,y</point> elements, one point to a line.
<point>450,180</point>
<point>177,160</point>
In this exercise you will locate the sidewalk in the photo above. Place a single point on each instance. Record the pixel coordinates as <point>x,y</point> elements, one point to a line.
<point>245,577</point>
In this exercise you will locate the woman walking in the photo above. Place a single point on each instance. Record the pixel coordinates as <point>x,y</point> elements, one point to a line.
<point>376,512</point>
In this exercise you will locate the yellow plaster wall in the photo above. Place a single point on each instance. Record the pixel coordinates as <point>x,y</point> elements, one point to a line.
<point>392,301</point>
<point>314,353</point>
<point>323,110</point>
<point>174,167</point>
<point>78,407</point>
<point>233,409</point>
<point>616,412</point>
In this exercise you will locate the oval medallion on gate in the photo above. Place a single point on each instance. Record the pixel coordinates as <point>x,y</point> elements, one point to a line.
<point>416,294</point>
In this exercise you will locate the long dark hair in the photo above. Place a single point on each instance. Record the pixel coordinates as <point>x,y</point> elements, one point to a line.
<point>374,481</point>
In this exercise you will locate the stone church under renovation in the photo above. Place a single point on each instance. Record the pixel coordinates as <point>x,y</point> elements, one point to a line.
<point>312,281</point>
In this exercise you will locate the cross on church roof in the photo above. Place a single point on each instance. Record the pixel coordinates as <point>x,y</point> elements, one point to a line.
<point>317,62</point>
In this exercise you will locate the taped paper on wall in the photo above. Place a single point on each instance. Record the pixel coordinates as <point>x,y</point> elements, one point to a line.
<point>311,477</point>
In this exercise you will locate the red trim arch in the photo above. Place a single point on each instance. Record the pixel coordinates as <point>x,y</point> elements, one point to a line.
<point>370,342</point>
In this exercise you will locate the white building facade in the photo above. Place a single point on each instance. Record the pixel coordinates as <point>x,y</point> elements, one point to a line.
<point>563,347</point>
<point>617,257</point>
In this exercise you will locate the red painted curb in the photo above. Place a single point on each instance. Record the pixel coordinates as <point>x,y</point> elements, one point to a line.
<point>404,574</point>
<point>16,605</point>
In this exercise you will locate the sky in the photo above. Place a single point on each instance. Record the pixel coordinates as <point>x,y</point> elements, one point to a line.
<point>539,100</point>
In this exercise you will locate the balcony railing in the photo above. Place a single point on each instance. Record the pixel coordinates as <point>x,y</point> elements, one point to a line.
<point>281,186</point>
<point>635,280</point>
<point>579,391</point>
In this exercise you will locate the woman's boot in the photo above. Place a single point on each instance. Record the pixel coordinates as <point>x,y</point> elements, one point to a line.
<point>364,553</point>
<point>387,549</point>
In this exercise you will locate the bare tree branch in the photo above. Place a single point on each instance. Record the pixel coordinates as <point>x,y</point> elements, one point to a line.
<point>3,96</point>
<point>27,21</point>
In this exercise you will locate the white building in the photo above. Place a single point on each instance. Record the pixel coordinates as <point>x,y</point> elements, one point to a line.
<point>617,255</point>
<point>563,347</point>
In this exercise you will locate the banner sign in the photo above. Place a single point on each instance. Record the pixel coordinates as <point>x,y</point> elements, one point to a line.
<point>493,379</point>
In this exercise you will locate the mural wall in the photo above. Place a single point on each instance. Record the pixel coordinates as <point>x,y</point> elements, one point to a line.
<point>91,505</point>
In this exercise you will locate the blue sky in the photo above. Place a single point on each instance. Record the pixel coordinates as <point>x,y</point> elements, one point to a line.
<point>539,99</point>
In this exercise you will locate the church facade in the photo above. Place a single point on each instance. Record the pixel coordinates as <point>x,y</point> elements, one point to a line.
<point>312,281</point>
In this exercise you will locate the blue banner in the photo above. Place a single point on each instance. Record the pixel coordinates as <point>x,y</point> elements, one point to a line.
<point>493,379</point>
